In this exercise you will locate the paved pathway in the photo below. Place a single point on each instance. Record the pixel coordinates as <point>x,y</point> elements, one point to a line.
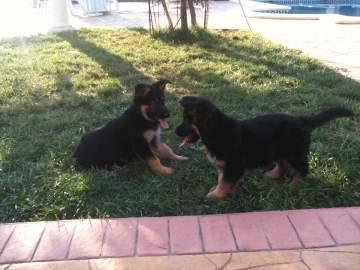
<point>337,258</point>
<point>237,234</point>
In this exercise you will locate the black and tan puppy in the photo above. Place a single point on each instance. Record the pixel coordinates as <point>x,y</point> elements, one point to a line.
<point>135,135</point>
<point>234,146</point>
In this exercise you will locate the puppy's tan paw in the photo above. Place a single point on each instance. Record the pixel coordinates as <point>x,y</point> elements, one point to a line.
<point>212,189</point>
<point>274,175</point>
<point>297,181</point>
<point>181,158</point>
<point>166,170</point>
<point>215,195</point>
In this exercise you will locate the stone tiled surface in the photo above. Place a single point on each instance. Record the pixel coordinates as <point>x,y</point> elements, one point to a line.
<point>355,214</point>
<point>340,225</point>
<point>88,239</point>
<point>138,237</point>
<point>55,241</point>
<point>22,243</point>
<point>120,238</point>
<point>331,260</point>
<point>279,230</point>
<point>5,233</point>
<point>153,236</point>
<point>217,234</point>
<point>185,235</point>
<point>249,233</point>
<point>311,231</point>
<point>323,259</point>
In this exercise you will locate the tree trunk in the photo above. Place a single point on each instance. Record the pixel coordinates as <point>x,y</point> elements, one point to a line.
<point>167,15</point>
<point>192,12</point>
<point>151,27</point>
<point>183,16</point>
<point>206,14</point>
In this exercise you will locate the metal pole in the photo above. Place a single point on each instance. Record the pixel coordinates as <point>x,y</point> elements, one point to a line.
<point>243,11</point>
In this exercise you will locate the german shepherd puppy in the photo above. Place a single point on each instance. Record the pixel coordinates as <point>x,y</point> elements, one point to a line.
<point>135,135</point>
<point>234,146</point>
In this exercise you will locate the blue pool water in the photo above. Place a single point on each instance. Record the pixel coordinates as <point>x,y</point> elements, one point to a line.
<point>316,7</point>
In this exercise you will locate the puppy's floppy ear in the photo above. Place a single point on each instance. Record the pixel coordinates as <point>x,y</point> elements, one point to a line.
<point>161,84</point>
<point>141,90</point>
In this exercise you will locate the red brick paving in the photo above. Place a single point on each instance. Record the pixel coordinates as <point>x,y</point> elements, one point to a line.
<point>340,225</point>
<point>185,235</point>
<point>217,234</point>
<point>88,239</point>
<point>55,241</point>
<point>22,243</point>
<point>355,214</point>
<point>248,232</point>
<point>153,236</point>
<point>279,231</point>
<point>311,231</point>
<point>5,232</point>
<point>79,239</point>
<point>120,238</point>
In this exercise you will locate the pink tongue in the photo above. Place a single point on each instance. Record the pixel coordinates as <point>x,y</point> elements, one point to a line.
<point>184,141</point>
<point>163,123</point>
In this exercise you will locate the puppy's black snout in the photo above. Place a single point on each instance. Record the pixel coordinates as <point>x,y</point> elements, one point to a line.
<point>166,114</point>
<point>180,131</point>
<point>163,113</point>
<point>177,131</point>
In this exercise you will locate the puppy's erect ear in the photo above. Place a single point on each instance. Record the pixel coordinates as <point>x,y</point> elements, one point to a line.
<point>161,84</point>
<point>141,91</point>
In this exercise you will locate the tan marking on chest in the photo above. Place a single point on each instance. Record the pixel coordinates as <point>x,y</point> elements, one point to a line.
<point>150,134</point>
<point>213,160</point>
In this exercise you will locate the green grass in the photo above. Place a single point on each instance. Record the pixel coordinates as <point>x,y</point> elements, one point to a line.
<point>54,88</point>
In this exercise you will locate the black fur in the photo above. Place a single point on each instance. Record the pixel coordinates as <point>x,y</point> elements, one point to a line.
<point>121,140</point>
<point>251,143</point>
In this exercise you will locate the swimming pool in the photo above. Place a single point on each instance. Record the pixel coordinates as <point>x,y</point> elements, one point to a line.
<point>347,8</point>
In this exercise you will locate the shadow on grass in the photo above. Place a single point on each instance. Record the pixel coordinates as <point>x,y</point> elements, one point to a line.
<point>250,49</point>
<point>115,65</point>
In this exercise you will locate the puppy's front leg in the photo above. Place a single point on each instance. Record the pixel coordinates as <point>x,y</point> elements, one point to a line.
<point>164,151</point>
<point>156,166</point>
<point>222,189</point>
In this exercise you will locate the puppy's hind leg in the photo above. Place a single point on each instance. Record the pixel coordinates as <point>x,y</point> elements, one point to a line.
<point>277,172</point>
<point>156,166</point>
<point>301,166</point>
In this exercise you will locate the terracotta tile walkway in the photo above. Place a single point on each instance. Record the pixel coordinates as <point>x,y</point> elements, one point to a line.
<point>139,237</point>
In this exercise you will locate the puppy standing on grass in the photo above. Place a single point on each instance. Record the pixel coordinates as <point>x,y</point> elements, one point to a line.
<point>135,135</point>
<point>234,146</point>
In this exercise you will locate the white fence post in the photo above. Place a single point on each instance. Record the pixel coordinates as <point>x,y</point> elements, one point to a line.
<point>59,15</point>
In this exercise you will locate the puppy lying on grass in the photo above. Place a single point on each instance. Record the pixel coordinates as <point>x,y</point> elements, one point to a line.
<point>135,135</point>
<point>234,146</point>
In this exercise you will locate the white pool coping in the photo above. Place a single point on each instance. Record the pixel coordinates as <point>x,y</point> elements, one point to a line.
<point>253,9</point>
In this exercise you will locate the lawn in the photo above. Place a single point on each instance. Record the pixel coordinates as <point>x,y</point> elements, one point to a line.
<point>54,88</point>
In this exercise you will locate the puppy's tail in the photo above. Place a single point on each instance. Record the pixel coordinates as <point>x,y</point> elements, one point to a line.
<point>326,116</point>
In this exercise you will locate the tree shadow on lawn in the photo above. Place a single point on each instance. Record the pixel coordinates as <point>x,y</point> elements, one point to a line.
<point>43,181</point>
<point>251,49</point>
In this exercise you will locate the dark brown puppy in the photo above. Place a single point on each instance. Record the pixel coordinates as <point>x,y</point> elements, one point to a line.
<point>135,135</point>
<point>234,146</point>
